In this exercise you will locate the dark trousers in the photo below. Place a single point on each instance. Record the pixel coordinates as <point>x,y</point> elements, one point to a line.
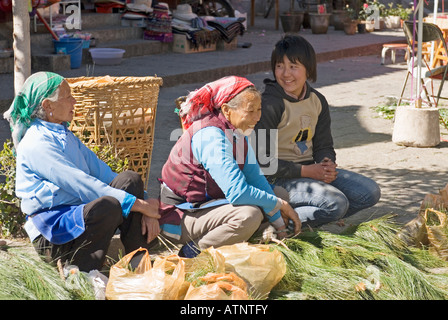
<point>102,218</point>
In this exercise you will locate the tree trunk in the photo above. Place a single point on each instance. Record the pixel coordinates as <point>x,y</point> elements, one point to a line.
<point>21,45</point>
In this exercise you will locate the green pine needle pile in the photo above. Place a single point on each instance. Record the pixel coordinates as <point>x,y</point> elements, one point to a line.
<point>370,261</point>
<point>26,277</point>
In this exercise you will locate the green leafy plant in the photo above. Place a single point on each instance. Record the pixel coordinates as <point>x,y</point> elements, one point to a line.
<point>362,14</point>
<point>11,217</point>
<point>444,117</point>
<point>387,111</point>
<point>116,162</point>
<point>368,8</point>
<point>351,13</point>
<point>398,10</point>
<point>391,10</point>
<point>380,7</point>
<point>404,13</point>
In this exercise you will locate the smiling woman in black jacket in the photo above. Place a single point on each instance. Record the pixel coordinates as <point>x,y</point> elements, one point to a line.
<point>305,158</point>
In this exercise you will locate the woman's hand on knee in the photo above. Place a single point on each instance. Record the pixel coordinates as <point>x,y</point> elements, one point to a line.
<point>150,227</point>
<point>148,207</point>
<point>288,214</point>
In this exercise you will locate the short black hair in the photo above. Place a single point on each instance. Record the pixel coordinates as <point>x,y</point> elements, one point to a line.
<point>296,49</point>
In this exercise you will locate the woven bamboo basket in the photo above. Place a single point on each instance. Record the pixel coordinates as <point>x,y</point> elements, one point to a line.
<point>118,111</point>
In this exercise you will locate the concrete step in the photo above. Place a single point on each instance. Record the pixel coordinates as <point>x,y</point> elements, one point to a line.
<point>4,44</point>
<point>45,59</point>
<point>50,62</point>
<point>7,65</point>
<point>139,47</point>
<point>102,35</point>
<point>92,20</point>
<point>107,31</point>
<point>89,20</point>
<point>111,36</point>
<point>115,33</point>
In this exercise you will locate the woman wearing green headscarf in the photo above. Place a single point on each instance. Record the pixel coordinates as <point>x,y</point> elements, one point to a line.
<point>74,202</point>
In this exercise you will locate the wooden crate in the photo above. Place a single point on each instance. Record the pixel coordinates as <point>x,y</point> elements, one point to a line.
<point>182,45</point>
<point>118,111</point>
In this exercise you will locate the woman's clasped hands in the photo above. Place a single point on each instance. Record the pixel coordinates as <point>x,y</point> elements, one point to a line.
<point>324,171</point>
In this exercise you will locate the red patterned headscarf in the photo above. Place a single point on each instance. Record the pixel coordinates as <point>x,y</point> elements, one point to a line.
<point>211,96</point>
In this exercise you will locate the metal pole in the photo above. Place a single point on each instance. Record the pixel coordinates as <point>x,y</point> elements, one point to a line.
<point>434,20</point>
<point>418,102</point>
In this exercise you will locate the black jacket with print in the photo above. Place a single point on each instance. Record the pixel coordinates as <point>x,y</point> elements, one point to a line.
<point>297,143</point>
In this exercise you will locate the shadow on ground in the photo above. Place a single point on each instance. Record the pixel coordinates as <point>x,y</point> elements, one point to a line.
<point>349,132</point>
<point>403,191</point>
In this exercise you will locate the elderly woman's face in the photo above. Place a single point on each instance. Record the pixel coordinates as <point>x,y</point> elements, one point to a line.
<point>61,110</point>
<point>247,114</point>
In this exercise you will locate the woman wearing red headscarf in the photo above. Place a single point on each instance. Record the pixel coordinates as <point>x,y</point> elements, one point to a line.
<point>213,192</point>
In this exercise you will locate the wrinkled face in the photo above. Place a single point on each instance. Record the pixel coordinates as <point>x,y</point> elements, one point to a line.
<point>61,110</point>
<point>291,76</point>
<point>246,115</point>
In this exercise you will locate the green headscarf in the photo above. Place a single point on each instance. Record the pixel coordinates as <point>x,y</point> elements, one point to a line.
<point>36,88</point>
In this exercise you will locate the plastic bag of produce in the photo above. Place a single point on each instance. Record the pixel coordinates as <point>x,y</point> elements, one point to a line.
<point>261,266</point>
<point>164,281</point>
<point>218,286</point>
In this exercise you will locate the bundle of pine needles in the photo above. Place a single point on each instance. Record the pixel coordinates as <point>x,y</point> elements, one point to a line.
<point>23,276</point>
<point>370,261</point>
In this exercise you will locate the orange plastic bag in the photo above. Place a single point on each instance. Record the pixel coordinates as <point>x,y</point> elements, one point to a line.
<point>146,282</point>
<point>259,265</point>
<point>219,286</point>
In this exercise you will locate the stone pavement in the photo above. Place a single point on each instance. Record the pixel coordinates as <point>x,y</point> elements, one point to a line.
<point>349,75</point>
